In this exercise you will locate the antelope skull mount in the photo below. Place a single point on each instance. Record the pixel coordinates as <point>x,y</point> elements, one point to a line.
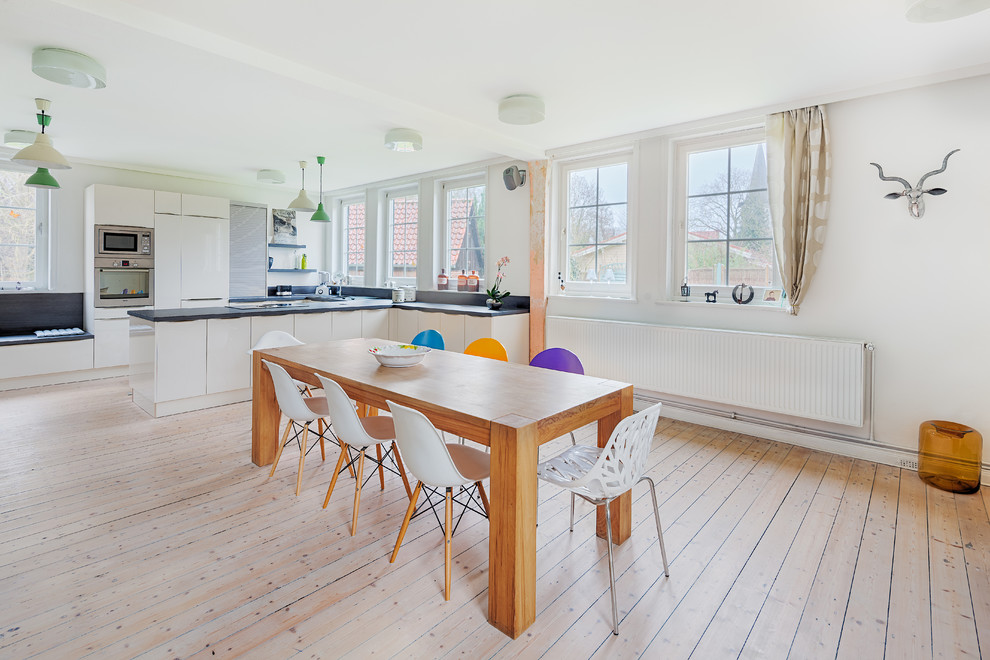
<point>916,202</point>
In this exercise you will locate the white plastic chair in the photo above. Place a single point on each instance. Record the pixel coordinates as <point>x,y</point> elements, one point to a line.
<point>437,464</point>
<point>301,412</point>
<point>601,475</point>
<point>361,433</point>
<point>280,339</point>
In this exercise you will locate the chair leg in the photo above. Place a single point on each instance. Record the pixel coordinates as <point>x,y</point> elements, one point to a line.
<point>321,429</point>
<point>302,457</point>
<point>483,494</point>
<point>405,521</point>
<point>402,470</point>
<point>281,445</point>
<point>357,492</point>
<point>611,569</point>
<point>572,512</point>
<point>447,529</point>
<point>336,473</point>
<point>656,515</point>
<point>381,472</point>
<point>573,440</point>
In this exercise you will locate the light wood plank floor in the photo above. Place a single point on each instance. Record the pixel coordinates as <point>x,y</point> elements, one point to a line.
<point>128,536</point>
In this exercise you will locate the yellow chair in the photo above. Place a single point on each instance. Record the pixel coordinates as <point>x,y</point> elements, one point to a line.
<point>488,348</point>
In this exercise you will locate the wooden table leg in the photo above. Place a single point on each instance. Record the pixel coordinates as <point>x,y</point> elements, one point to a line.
<point>512,525</point>
<point>264,414</point>
<point>622,505</point>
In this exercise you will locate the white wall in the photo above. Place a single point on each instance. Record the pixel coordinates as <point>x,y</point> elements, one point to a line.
<point>912,287</point>
<point>68,210</point>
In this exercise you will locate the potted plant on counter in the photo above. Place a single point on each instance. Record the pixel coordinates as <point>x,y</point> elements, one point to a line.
<point>494,295</point>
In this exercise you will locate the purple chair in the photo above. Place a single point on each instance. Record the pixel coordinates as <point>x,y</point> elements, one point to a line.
<point>559,359</point>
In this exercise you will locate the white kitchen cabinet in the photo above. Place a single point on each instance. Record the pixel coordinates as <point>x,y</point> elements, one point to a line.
<point>205,207</point>
<point>313,328</point>
<point>117,205</point>
<point>374,323</point>
<point>168,202</point>
<point>452,329</point>
<point>110,342</point>
<point>406,325</point>
<point>513,333</point>
<point>205,256</point>
<point>168,260</point>
<point>228,365</point>
<point>347,325</point>
<point>260,325</point>
<point>180,360</point>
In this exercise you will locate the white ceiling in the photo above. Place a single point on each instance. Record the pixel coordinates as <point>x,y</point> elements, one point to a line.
<point>223,88</point>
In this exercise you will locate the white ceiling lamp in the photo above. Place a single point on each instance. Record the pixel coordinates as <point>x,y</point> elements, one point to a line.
<point>271,176</point>
<point>935,11</point>
<point>18,139</point>
<point>522,109</point>
<point>67,67</point>
<point>403,140</point>
<point>303,202</point>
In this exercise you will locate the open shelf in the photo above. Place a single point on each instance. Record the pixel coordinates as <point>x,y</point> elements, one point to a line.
<point>291,270</point>
<point>286,245</point>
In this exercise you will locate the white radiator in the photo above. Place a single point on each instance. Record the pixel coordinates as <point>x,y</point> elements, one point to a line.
<point>822,379</point>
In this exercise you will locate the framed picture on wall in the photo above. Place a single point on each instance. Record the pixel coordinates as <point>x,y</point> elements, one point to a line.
<point>283,226</point>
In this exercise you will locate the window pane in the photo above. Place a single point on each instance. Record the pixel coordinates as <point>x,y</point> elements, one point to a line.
<point>582,188</point>
<point>466,230</point>
<point>582,225</point>
<point>403,219</point>
<point>582,264</point>
<point>18,229</point>
<point>612,224</point>
<point>706,218</point>
<point>612,262</point>
<point>751,262</point>
<point>750,215</point>
<point>612,187</point>
<point>706,263</point>
<point>749,167</point>
<point>708,172</point>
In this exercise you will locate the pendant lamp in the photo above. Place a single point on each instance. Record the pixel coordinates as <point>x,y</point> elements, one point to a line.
<point>42,154</point>
<point>302,202</point>
<point>321,213</point>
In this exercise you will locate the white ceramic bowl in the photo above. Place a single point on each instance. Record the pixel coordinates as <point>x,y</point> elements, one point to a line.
<point>399,355</point>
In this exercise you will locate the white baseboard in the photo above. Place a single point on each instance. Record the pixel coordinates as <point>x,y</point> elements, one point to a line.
<point>63,377</point>
<point>861,449</point>
<point>164,408</point>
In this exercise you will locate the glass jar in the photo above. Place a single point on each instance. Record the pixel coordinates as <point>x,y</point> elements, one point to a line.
<point>949,456</point>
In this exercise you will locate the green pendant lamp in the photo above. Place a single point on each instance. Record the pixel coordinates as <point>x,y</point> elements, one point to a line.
<point>42,179</point>
<point>321,213</point>
<point>42,154</point>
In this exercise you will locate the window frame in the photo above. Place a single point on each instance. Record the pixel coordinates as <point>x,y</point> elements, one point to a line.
<point>345,253</point>
<point>598,289</point>
<point>43,246</point>
<point>683,148</point>
<point>444,187</point>
<point>388,199</point>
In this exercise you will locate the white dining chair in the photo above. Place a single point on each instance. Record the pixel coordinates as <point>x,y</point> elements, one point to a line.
<point>360,433</point>
<point>301,412</point>
<point>437,464</point>
<point>601,475</point>
<point>280,339</point>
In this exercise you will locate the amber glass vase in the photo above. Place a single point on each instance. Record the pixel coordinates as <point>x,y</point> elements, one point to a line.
<point>949,456</point>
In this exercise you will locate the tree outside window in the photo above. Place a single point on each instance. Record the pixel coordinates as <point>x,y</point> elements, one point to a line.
<point>597,224</point>
<point>18,230</point>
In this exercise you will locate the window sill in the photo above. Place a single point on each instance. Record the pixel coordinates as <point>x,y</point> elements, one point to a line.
<point>693,303</point>
<point>588,295</point>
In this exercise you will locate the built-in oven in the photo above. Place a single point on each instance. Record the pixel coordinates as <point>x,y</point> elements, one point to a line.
<point>114,241</point>
<point>124,282</point>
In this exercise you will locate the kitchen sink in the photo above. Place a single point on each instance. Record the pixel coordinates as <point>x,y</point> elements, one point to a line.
<point>329,298</point>
<point>269,305</point>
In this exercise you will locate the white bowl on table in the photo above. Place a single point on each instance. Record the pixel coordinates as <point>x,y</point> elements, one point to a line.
<point>399,355</point>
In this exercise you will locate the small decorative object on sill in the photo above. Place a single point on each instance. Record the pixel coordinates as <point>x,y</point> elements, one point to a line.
<point>443,282</point>
<point>685,289</point>
<point>949,456</point>
<point>495,296</point>
<point>560,278</point>
<point>739,291</point>
<point>915,195</point>
<point>462,281</point>
<point>711,296</point>
<point>473,282</point>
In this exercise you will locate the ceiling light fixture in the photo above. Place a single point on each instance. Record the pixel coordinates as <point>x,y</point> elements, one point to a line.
<point>18,139</point>
<point>303,202</point>
<point>934,11</point>
<point>321,214</point>
<point>271,176</point>
<point>522,109</point>
<point>67,67</point>
<point>403,140</point>
<point>41,153</point>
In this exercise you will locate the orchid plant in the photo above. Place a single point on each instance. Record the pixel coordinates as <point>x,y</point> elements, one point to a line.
<point>493,292</point>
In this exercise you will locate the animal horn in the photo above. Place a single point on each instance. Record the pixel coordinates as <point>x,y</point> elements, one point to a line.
<point>939,171</point>
<point>907,186</point>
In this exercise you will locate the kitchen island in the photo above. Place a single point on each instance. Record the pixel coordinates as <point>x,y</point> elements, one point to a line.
<point>193,358</point>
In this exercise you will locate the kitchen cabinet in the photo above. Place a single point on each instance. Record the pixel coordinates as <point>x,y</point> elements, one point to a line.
<point>228,365</point>
<point>459,330</point>
<point>168,202</point>
<point>180,360</point>
<point>117,205</point>
<point>452,329</point>
<point>313,328</point>
<point>346,325</point>
<point>260,325</point>
<point>374,323</point>
<point>168,261</point>
<point>205,253</point>
<point>205,207</point>
<point>110,342</point>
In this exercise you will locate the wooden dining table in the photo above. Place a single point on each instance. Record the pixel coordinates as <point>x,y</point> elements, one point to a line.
<point>512,408</point>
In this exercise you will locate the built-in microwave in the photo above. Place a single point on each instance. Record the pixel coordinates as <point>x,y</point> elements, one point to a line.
<point>112,241</point>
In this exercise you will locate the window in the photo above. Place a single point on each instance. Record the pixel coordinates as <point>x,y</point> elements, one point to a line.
<point>465,228</point>
<point>595,214</point>
<point>728,239</point>
<point>23,242</point>
<point>352,213</point>
<point>403,220</point>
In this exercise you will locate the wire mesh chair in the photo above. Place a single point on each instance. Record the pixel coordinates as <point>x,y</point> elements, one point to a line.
<point>601,475</point>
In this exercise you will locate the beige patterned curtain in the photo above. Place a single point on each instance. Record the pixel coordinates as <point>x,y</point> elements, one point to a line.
<point>798,183</point>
